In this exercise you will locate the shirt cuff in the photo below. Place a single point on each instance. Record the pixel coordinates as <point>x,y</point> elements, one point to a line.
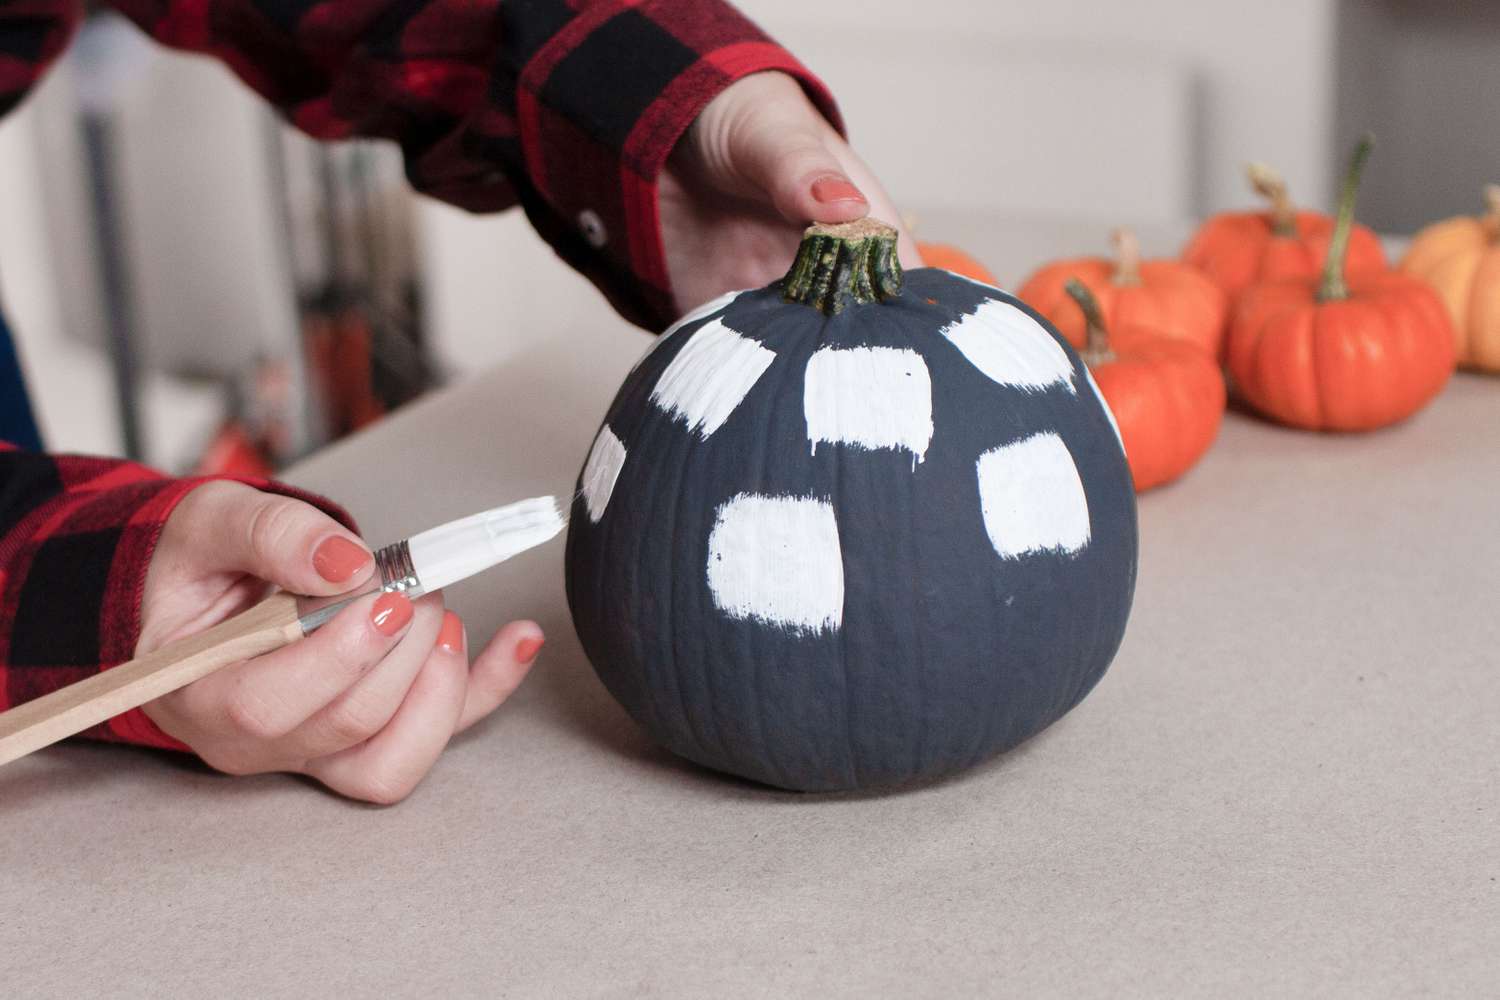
<point>599,108</point>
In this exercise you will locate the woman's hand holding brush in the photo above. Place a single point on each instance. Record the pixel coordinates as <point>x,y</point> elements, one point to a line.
<point>365,704</point>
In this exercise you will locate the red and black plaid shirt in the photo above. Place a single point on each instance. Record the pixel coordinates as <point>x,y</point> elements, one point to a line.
<point>569,107</point>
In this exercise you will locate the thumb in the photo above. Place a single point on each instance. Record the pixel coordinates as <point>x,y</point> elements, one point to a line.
<point>283,541</point>
<point>764,137</point>
<point>800,177</point>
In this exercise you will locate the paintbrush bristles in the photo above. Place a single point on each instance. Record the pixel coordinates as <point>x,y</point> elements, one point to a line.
<point>459,549</point>
<point>525,516</point>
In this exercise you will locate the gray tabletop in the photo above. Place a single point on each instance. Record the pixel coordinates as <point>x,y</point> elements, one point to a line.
<point>1287,784</point>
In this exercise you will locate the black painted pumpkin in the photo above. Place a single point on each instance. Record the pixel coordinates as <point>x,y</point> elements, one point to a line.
<point>855,529</point>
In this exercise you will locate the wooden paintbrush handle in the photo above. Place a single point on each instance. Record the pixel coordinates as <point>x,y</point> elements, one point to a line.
<point>68,711</point>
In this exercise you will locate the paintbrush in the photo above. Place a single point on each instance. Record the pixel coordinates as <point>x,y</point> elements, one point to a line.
<point>418,565</point>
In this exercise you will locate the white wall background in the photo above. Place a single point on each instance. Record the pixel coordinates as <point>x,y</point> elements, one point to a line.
<point>1264,69</point>
<point>1425,78</point>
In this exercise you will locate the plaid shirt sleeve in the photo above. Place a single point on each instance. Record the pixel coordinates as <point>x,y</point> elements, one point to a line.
<point>570,107</point>
<point>76,537</point>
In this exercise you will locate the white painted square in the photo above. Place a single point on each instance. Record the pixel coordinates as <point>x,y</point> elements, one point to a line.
<point>1032,497</point>
<point>710,376</point>
<point>600,472</point>
<point>706,309</point>
<point>869,397</point>
<point>777,560</point>
<point>1011,348</point>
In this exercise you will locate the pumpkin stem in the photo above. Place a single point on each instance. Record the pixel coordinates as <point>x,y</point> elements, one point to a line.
<point>844,262</point>
<point>1096,349</point>
<point>1127,257</point>
<point>1334,286</point>
<point>1491,220</point>
<point>1269,184</point>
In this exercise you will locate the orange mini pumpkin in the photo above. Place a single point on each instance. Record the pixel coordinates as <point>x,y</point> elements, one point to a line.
<point>1346,354</point>
<point>951,258</point>
<point>1164,296</point>
<point>1239,249</point>
<point>1460,259</point>
<point>1167,396</point>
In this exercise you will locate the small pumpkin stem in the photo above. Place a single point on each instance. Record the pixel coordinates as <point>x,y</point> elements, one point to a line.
<point>1127,257</point>
<point>1269,184</point>
<point>1334,286</point>
<point>1096,349</point>
<point>1491,220</point>
<point>844,262</point>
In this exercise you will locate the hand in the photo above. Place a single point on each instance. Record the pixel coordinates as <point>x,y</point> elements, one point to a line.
<point>759,164</point>
<point>365,704</point>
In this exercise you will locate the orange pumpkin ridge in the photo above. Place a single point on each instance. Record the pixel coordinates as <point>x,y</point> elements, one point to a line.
<point>1460,259</point>
<point>1239,249</point>
<point>1167,296</point>
<point>1350,351</point>
<point>1166,395</point>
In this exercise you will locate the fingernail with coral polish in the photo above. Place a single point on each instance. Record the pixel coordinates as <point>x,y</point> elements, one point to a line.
<point>527,649</point>
<point>390,613</point>
<point>337,559</point>
<point>835,188</point>
<point>451,635</point>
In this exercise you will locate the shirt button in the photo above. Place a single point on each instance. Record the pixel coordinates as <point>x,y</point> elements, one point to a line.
<point>592,228</point>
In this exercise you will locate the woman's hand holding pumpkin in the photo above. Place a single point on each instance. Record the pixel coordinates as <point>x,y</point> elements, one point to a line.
<point>756,167</point>
<point>367,703</point>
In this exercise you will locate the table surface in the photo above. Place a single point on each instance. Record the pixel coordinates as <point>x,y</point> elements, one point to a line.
<point>1287,784</point>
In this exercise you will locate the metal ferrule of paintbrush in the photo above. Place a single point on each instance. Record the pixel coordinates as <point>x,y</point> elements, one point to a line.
<point>394,573</point>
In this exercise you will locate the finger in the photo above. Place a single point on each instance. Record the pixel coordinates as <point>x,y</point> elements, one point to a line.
<point>367,705</point>
<point>796,170</point>
<point>386,768</point>
<point>764,138</point>
<point>284,541</point>
<point>499,669</point>
<point>266,698</point>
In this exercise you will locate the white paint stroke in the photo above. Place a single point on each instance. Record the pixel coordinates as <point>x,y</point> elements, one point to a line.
<point>706,309</point>
<point>1032,497</point>
<point>600,472</point>
<point>777,560</point>
<point>870,397</point>
<point>709,377</point>
<point>1011,348</point>
<point>1099,395</point>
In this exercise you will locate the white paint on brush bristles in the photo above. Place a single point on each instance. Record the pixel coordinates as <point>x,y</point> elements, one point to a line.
<point>459,549</point>
<point>1011,348</point>
<point>777,560</point>
<point>710,376</point>
<point>600,472</point>
<point>869,397</point>
<point>1032,497</point>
